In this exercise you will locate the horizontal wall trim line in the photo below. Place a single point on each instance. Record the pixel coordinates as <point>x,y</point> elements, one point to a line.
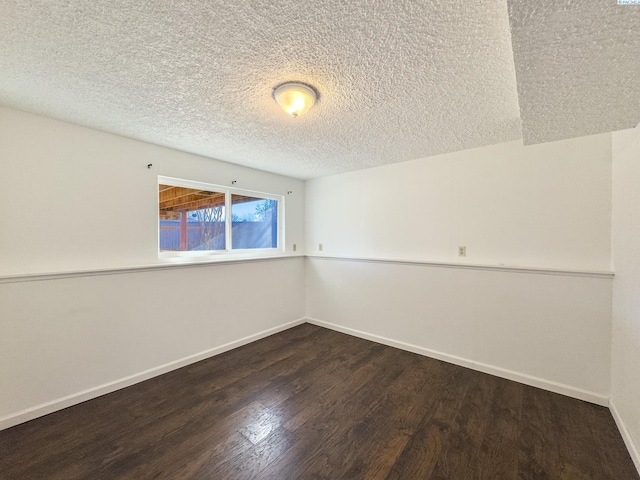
<point>634,452</point>
<point>88,394</point>
<point>471,266</point>
<point>35,277</point>
<point>549,385</point>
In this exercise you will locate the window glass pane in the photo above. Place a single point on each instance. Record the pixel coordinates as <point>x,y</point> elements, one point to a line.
<point>191,219</point>
<point>254,222</point>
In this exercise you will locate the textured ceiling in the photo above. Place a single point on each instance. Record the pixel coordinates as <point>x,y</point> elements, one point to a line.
<point>397,80</point>
<point>577,66</point>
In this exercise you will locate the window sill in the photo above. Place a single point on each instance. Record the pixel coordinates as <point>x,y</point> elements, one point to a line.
<point>196,256</point>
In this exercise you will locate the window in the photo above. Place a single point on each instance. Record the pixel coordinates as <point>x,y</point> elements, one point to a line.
<point>210,219</point>
<point>254,222</point>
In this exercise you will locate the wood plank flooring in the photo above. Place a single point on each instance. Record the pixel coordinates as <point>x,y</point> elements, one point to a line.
<point>311,403</point>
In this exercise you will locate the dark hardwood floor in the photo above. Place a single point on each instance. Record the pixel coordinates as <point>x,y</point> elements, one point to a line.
<point>313,403</point>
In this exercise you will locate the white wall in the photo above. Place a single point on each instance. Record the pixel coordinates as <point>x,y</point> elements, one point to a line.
<point>550,331</point>
<point>543,206</point>
<point>625,379</point>
<point>83,336</point>
<point>546,206</point>
<point>74,199</point>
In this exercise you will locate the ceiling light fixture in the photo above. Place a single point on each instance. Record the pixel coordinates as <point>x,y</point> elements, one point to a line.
<point>295,98</point>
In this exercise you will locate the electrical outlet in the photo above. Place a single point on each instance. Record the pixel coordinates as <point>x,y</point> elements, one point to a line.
<point>295,247</point>
<point>320,247</point>
<point>462,251</point>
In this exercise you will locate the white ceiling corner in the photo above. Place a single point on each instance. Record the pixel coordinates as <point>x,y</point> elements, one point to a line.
<point>577,67</point>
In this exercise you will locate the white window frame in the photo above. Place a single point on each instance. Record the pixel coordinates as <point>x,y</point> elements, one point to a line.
<point>228,252</point>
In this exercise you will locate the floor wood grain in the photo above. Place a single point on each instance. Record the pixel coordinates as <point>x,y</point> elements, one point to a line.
<point>317,404</point>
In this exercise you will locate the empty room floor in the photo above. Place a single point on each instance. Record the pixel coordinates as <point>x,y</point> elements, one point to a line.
<point>313,403</point>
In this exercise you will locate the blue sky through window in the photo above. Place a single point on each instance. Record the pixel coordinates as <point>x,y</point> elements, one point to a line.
<point>245,211</point>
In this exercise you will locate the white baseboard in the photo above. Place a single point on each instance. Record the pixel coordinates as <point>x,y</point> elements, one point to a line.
<point>626,435</point>
<point>549,385</point>
<point>79,397</point>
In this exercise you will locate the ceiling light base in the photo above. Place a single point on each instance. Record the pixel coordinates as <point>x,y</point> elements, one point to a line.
<point>295,98</point>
